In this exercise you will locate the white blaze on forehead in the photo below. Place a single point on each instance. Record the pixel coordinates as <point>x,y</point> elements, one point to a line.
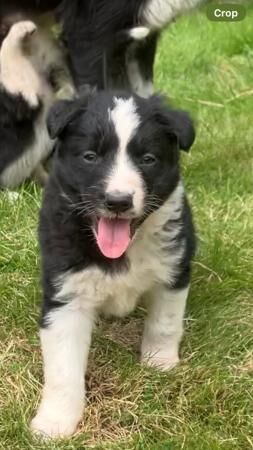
<point>124,176</point>
<point>125,119</point>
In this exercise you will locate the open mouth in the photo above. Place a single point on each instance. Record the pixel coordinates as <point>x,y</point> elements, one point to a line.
<point>114,235</point>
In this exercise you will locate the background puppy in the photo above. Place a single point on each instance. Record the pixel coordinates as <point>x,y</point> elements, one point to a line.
<point>33,73</point>
<point>90,29</point>
<point>115,225</point>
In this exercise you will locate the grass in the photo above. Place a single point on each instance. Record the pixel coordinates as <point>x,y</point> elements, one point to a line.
<point>206,403</point>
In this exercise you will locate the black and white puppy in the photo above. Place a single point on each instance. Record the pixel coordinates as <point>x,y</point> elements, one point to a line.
<point>115,226</point>
<point>33,74</point>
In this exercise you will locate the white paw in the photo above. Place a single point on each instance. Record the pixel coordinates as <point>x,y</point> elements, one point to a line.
<point>46,426</point>
<point>160,361</point>
<point>162,355</point>
<point>20,30</point>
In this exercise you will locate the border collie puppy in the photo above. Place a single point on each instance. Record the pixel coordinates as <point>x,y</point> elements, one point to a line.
<point>90,29</point>
<point>33,74</point>
<point>115,226</point>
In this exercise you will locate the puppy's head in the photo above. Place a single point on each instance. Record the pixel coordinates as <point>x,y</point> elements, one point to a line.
<point>118,154</point>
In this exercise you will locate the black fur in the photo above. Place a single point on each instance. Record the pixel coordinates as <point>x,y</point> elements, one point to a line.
<point>39,6</point>
<point>91,32</point>
<point>17,121</point>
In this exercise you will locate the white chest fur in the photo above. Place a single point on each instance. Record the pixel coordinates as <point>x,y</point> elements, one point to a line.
<point>149,264</point>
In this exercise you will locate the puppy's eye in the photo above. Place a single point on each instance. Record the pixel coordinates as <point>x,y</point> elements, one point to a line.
<point>148,159</point>
<point>90,157</point>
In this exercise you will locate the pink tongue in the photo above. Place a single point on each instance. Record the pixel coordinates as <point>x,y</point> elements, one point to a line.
<point>113,237</point>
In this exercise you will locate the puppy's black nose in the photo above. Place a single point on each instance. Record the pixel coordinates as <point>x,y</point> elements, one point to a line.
<point>118,202</point>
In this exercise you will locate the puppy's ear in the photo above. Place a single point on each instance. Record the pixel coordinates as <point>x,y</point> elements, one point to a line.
<point>60,115</point>
<point>182,126</point>
<point>177,123</point>
<point>64,111</point>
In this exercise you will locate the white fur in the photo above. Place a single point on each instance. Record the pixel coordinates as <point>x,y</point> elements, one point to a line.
<point>65,346</point>
<point>143,88</point>
<point>125,119</point>
<point>17,74</point>
<point>163,327</point>
<point>158,13</point>
<point>124,177</point>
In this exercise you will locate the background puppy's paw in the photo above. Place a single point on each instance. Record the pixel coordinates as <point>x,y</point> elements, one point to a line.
<point>21,30</point>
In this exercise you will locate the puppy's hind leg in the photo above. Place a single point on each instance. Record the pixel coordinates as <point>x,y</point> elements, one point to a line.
<point>18,76</point>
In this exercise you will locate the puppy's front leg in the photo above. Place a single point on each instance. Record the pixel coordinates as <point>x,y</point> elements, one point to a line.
<point>65,344</point>
<point>163,327</point>
<point>17,75</point>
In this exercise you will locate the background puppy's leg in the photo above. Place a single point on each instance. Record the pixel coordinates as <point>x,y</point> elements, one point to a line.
<point>18,75</point>
<point>140,63</point>
<point>65,344</point>
<point>163,327</point>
